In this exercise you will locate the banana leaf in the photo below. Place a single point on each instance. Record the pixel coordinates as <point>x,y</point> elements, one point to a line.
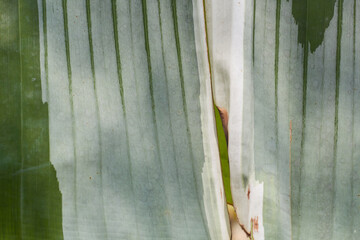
<point>108,126</point>
<point>108,129</point>
<point>292,68</point>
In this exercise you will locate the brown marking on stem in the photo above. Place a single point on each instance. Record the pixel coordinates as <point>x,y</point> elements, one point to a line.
<point>255,222</point>
<point>248,193</point>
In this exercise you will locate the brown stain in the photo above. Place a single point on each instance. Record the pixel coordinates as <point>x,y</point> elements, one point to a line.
<point>248,193</point>
<point>90,178</point>
<point>255,222</point>
<point>221,194</point>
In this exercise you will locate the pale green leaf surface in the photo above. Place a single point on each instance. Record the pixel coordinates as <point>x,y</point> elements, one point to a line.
<point>294,66</point>
<point>108,129</point>
<point>129,138</point>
